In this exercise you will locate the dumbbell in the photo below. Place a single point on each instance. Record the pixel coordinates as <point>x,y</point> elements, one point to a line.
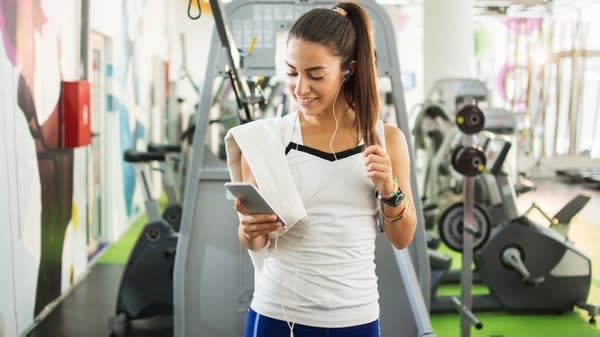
<point>468,160</point>
<point>470,119</point>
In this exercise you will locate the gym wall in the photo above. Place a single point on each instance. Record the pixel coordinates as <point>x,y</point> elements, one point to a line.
<point>45,198</point>
<point>37,171</point>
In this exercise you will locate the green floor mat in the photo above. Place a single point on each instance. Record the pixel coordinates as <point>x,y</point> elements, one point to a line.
<point>455,289</point>
<point>505,325</point>
<point>118,252</point>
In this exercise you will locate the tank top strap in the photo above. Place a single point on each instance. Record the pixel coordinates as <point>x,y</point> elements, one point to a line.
<point>288,126</point>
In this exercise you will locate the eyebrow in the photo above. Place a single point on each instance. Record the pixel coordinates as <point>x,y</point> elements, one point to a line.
<point>307,69</point>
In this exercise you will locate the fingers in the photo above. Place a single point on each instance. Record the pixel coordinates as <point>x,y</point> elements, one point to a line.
<point>376,159</point>
<point>239,207</point>
<point>374,149</point>
<point>379,171</point>
<point>379,168</point>
<point>375,153</point>
<point>255,230</point>
<point>255,225</point>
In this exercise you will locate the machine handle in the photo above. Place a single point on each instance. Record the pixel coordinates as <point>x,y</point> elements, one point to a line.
<point>512,257</point>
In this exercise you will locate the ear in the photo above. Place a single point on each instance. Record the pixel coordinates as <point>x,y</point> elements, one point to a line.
<point>350,70</point>
<point>352,66</point>
<point>347,74</point>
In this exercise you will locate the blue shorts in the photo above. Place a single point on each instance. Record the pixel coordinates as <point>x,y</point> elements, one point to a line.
<point>258,325</point>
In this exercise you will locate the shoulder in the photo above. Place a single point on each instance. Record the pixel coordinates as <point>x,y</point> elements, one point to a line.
<point>392,130</point>
<point>393,134</point>
<point>395,139</point>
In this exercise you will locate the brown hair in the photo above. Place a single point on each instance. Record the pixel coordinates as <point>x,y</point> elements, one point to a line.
<point>346,29</point>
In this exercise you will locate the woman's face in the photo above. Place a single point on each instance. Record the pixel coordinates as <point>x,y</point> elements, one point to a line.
<point>314,76</point>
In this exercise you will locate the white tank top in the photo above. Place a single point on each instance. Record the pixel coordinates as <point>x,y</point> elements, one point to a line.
<point>322,271</point>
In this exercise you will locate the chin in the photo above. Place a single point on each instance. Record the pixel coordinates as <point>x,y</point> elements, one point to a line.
<point>311,111</point>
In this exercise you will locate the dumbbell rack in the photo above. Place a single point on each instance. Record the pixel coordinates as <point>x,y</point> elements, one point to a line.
<point>470,162</point>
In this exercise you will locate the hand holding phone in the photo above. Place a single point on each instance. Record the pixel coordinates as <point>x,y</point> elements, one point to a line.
<point>252,200</point>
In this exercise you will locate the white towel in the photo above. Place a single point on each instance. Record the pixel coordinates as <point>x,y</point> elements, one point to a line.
<point>263,144</point>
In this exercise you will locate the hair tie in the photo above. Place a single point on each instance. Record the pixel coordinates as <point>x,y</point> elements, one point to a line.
<point>340,11</point>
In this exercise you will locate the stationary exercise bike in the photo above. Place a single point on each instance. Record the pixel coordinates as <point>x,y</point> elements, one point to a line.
<point>533,268</point>
<point>172,212</point>
<point>526,266</point>
<point>146,288</point>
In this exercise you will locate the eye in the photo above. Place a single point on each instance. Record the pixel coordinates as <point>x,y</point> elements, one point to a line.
<point>292,74</point>
<point>317,74</point>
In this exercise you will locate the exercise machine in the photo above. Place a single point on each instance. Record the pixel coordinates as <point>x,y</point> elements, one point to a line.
<point>533,268</point>
<point>146,288</point>
<point>173,209</point>
<point>214,277</point>
<point>527,267</point>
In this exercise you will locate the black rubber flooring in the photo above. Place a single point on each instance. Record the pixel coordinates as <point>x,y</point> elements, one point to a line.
<point>86,310</point>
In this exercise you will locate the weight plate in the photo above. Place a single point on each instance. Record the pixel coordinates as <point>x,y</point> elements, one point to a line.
<point>450,227</point>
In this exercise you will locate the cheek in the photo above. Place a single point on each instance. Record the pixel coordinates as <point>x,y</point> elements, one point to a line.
<point>291,86</point>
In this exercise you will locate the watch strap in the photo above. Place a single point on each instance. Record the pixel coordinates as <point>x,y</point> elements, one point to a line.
<point>396,197</point>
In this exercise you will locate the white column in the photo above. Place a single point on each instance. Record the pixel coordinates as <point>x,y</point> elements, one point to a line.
<point>448,40</point>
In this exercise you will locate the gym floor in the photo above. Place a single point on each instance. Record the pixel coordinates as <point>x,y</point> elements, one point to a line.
<point>86,310</point>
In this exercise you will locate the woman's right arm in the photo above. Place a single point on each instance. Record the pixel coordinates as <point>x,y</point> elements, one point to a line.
<point>253,230</point>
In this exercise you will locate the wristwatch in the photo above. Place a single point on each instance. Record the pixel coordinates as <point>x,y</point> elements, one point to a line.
<point>396,197</point>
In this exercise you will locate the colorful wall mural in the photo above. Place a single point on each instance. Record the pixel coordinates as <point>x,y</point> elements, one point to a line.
<point>36,95</point>
<point>43,242</point>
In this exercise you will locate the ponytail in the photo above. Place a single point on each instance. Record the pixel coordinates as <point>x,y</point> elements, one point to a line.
<point>363,92</point>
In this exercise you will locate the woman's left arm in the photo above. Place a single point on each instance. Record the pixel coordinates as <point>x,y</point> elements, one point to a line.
<point>399,222</point>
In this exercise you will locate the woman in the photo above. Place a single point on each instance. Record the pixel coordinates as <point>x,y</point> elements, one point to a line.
<point>319,277</point>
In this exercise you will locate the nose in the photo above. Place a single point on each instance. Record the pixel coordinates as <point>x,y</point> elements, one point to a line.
<point>301,85</point>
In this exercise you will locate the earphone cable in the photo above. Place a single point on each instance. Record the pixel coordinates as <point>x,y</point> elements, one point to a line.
<point>336,120</point>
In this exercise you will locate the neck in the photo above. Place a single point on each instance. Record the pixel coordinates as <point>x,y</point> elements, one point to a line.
<point>344,116</point>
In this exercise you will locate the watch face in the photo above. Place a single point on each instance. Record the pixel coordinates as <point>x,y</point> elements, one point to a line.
<point>401,196</point>
<point>395,199</point>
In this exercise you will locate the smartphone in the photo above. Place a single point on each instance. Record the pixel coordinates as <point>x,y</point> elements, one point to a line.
<point>252,200</point>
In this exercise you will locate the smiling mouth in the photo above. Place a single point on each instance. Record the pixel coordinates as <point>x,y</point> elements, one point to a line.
<point>304,101</point>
